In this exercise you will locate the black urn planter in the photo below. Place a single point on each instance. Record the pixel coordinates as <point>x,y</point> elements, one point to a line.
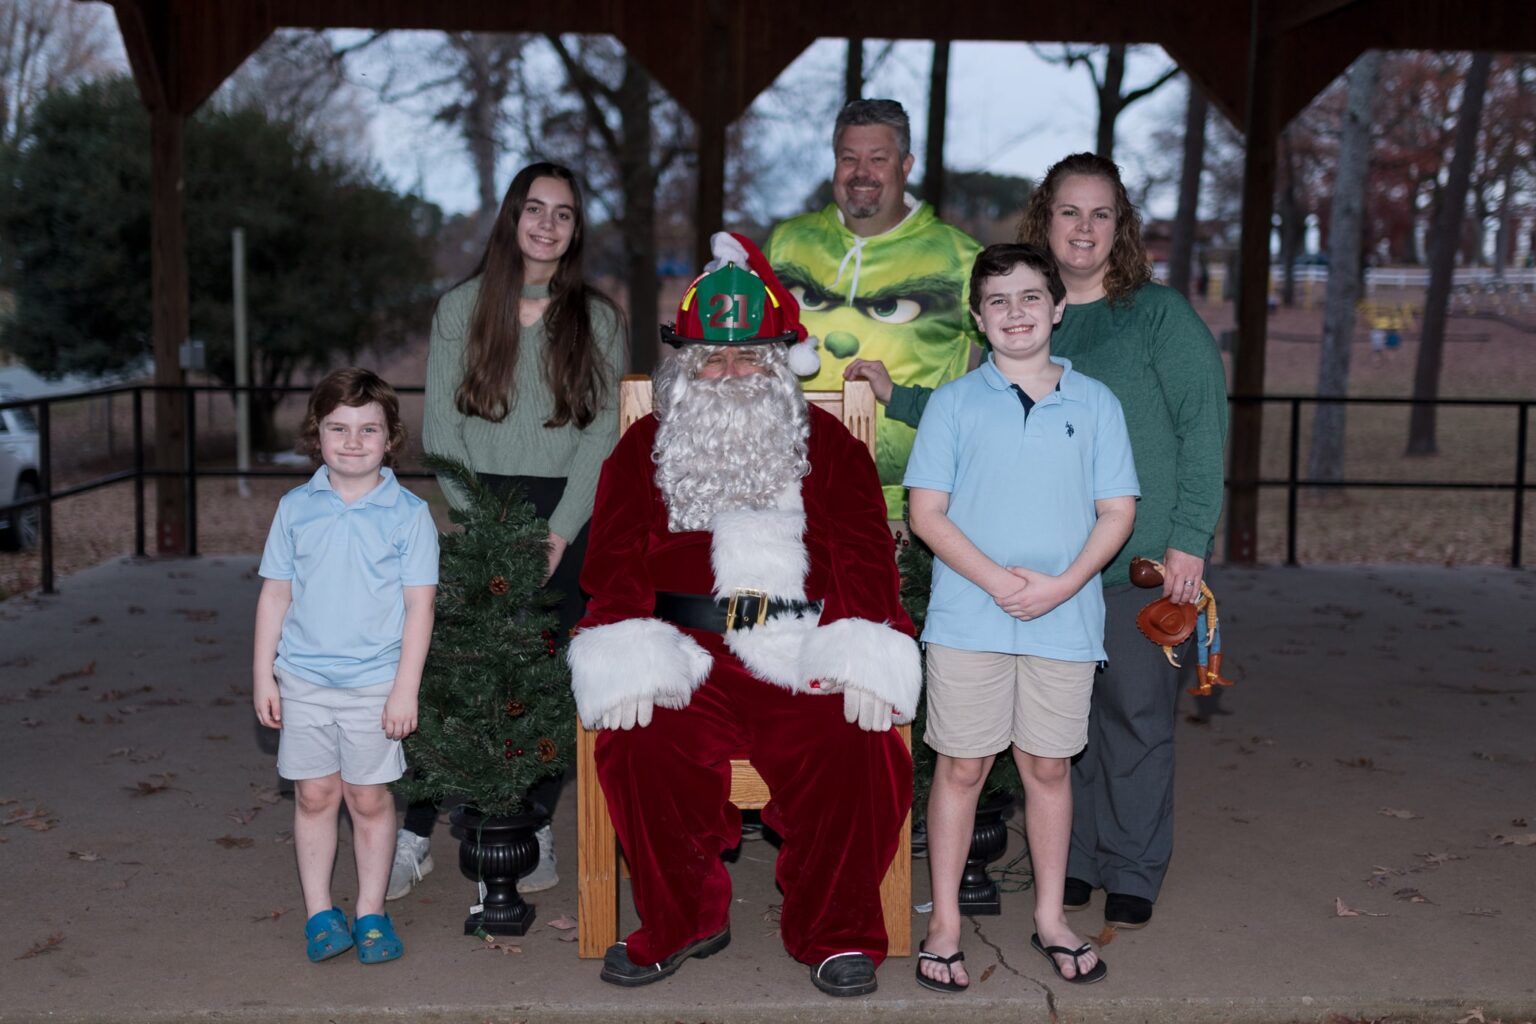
<point>979,894</point>
<point>496,851</point>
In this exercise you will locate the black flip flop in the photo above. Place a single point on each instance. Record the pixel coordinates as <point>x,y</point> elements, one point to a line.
<point>1100,969</point>
<point>947,961</point>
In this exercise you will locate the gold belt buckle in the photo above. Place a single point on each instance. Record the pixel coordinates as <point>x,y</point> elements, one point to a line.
<point>740,592</point>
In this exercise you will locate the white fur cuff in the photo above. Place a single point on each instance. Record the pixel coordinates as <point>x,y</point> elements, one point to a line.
<point>868,656</point>
<point>634,658</point>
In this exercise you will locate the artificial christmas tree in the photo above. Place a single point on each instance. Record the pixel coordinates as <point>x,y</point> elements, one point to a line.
<point>495,712</point>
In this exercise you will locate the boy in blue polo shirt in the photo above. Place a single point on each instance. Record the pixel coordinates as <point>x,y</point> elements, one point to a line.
<point>342,628</point>
<point>1023,485</point>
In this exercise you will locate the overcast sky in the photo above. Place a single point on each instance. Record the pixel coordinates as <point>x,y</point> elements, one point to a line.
<point>1010,112</point>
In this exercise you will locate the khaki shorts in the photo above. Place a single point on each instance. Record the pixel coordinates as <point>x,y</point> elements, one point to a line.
<point>328,729</point>
<point>980,701</point>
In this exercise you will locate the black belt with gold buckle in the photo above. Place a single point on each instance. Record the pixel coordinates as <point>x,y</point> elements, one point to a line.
<point>744,609</point>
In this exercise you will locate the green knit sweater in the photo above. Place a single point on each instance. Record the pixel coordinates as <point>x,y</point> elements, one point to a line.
<point>1160,360</point>
<point>520,445</point>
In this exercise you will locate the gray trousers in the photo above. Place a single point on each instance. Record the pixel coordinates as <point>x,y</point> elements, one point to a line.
<point>1122,786</point>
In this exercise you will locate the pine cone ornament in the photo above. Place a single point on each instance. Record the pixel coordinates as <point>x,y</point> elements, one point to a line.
<point>547,750</point>
<point>499,586</point>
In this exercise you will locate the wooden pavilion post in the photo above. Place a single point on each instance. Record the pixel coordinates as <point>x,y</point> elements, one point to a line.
<point>1247,431</point>
<point>714,116</point>
<point>168,285</point>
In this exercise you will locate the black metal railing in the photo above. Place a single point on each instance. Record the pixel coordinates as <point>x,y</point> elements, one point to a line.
<point>1294,483</point>
<point>190,472</point>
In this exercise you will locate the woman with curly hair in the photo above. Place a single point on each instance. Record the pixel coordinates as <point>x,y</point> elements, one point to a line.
<point>1155,353</point>
<point>522,387</point>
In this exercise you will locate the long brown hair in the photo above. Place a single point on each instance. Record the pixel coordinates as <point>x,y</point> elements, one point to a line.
<point>1129,267</point>
<point>573,370</point>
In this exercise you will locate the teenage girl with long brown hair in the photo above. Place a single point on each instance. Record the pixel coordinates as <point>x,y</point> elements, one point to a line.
<point>522,387</point>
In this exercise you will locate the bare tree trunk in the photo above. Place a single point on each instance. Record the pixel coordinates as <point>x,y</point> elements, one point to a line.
<point>1345,230</point>
<point>1501,237</point>
<point>853,72</point>
<point>1181,249</point>
<point>938,109</point>
<point>1442,259</point>
<point>1111,102</point>
<point>1291,222</point>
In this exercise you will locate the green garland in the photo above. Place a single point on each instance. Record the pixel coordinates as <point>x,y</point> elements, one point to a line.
<point>495,713</point>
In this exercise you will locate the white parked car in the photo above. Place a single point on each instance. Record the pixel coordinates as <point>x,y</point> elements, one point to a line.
<point>18,476</point>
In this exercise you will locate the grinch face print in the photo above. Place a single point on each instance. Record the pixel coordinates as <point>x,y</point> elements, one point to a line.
<point>905,309</point>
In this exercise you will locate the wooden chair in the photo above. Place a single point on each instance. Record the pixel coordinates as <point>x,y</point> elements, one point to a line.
<point>597,854</point>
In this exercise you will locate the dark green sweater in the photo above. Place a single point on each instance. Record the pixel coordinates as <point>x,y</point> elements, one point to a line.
<point>1158,357</point>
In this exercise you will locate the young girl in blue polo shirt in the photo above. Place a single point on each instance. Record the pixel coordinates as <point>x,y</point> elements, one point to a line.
<point>1022,483</point>
<point>342,629</point>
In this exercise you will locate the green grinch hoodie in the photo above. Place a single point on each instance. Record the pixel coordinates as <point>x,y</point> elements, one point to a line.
<point>901,297</point>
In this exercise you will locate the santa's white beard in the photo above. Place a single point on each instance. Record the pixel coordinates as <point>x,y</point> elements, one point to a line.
<point>727,444</point>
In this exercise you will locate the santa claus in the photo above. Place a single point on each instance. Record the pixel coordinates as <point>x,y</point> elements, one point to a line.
<point>744,598</point>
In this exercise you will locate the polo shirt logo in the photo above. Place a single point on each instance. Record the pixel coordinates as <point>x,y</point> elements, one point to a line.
<point>1070,431</point>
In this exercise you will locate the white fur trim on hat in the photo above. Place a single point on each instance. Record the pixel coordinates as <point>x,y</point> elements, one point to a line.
<point>867,656</point>
<point>634,658</point>
<point>804,360</point>
<point>726,249</point>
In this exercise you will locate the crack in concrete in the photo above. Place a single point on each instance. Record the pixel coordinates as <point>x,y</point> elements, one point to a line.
<point>1002,959</point>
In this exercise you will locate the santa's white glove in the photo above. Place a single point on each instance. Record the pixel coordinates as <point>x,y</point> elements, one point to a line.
<point>725,249</point>
<point>867,710</point>
<point>628,713</point>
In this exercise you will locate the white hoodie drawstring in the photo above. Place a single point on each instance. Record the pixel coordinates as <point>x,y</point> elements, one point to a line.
<point>857,255</point>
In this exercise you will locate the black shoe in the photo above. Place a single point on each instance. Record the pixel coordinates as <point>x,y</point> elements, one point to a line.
<point>1128,912</point>
<point>845,974</point>
<point>919,839</point>
<point>1076,894</point>
<point>619,970</point>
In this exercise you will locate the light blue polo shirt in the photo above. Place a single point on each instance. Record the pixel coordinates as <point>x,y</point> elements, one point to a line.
<point>1021,487</point>
<point>348,564</point>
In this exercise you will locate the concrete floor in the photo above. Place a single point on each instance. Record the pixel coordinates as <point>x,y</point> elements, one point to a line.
<point>1377,756</point>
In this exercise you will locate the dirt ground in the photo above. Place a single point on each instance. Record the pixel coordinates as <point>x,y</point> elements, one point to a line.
<point>1484,358</point>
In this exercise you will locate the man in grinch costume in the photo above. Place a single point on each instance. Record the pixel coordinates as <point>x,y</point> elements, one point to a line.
<point>744,598</point>
<point>880,279</point>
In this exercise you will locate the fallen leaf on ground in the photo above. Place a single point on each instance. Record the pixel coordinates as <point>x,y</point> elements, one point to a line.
<point>564,922</point>
<point>1524,839</point>
<point>88,670</point>
<point>1105,937</point>
<point>244,817</point>
<point>504,948</point>
<point>235,842</point>
<point>1518,822</point>
<point>1480,912</point>
<point>1394,812</point>
<point>112,695</point>
<point>987,973</point>
<point>1475,1017</point>
<point>271,915</point>
<point>84,720</point>
<point>266,794</point>
<point>84,855</point>
<point>31,723</point>
<point>1340,910</point>
<point>48,945</point>
<point>198,614</point>
<point>1434,860</point>
<point>1412,896</point>
<point>149,787</point>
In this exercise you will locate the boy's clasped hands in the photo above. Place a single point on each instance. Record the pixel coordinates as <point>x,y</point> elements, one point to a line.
<point>1027,594</point>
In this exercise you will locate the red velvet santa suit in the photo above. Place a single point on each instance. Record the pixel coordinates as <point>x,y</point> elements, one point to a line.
<point>839,793</point>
